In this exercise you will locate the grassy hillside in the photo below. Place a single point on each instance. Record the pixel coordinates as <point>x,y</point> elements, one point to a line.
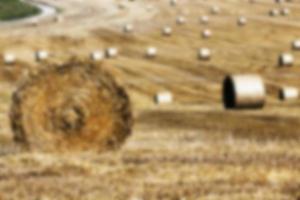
<point>14,9</point>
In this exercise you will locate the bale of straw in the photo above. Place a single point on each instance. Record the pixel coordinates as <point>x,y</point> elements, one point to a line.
<point>243,91</point>
<point>296,45</point>
<point>204,54</point>
<point>97,55</point>
<point>285,11</point>
<point>215,10</point>
<point>286,60</point>
<point>242,21</point>
<point>151,52</point>
<point>206,33</point>
<point>163,97</point>
<point>180,20</point>
<point>288,93</point>
<point>111,52</point>
<point>167,31</point>
<point>204,19</point>
<point>74,107</point>
<point>41,55</point>
<point>274,12</point>
<point>9,58</point>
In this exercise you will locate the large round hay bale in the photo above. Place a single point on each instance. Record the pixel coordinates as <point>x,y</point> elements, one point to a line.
<point>243,91</point>
<point>74,107</point>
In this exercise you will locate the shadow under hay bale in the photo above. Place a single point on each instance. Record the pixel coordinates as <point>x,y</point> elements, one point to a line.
<point>74,107</point>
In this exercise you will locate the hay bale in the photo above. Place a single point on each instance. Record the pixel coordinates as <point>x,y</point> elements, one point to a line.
<point>243,91</point>
<point>215,10</point>
<point>180,20</point>
<point>285,11</point>
<point>204,54</point>
<point>296,45</point>
<point>97,55</point>
<point>41,55</point>
<point>286,60</point>
<point>173,2</point>
<point>206,33</point>
<point>9,58</point>
<point>163,97</point>
<point>74,107</point>
<point>58,19</point>
<point>111,52</point>
<point>167,31</point>
<point>274,12</point>
<point>204,19</point>
<point>288,93</point>
<point>242,21</point>
<point>151,52</point>
<point>128,28</point>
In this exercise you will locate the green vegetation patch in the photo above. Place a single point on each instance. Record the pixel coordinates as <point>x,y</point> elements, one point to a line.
<point>16,9</point>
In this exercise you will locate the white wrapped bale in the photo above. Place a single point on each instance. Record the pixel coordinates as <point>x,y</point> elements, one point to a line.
<point>206,33</point>
<point>204,54</point>
<point>128,28</point>
<point>111,52</point>
<point>288,93</point>
<point>180,20</point>
<point>173,2</point>
<point>242,21</point>
<point>97,55</point>
<point>151,52</point>
<point>285,11</point>
<point>243,91</point>
<point>164,97</point>
<point>296,45</point>
<point>167,31</point>
<point>9,59</point>
<point>274,13</point>
<point>41,55</point>
<point>215,10</point>
<point>286,60</point>
<point>204,19</point>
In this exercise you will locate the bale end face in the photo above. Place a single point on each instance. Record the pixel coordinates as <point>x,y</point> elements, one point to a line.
<point>75,107</point>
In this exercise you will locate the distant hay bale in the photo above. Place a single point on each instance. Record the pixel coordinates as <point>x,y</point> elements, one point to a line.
<point>285,11</point>
<point>206,33</point>
<point>41,55</point>
<point>163,97</point>
<point>242,21</point>
<point>33,22</point>
<point>204,19</point>
<point>215,10</point>
<point>151,52</point>
<point>243,91</point>
<point>296,45</point>
<point>274,12</point>
<point>204,54</point>
<point>180,20</point>
<point>288,93</point>
<point>167,31</point>
<point>74,107</point>
<point>111,52</point>
<point>173,2</point>
<point>97,55</point>
<point>286,60</point>
<point>9,58</point>
<point>128,28</point>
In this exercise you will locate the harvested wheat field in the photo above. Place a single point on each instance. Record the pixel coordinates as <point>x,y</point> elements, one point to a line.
<point>120,99</point>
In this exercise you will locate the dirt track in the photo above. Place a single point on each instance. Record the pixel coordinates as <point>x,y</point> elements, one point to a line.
<point>192,149</point>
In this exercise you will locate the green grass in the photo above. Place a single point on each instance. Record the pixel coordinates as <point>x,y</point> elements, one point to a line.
<point>15,9</point>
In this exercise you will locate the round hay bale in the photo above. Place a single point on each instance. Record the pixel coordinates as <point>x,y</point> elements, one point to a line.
<point>204,19</point>
<point>296,45</point>
<point>173,2</point>
<point>9,58</point>
<point>128,28</point>
<point>206,33</point>
<point>163,97</point>
<point>285,11</point>
<point>111,52</point>
<point>151,52</point>
<point>288,93</point>
<point>242,21</point>
<point>41,55</point>
<point>215,10</point>
<point>97,55</point>
<point>286,60</point>
<point>204,54</point>
<point>274,12</point>
<point>167,31</point>
<point>180,20</point>
<point>74,107</point>
<point>243,91</point>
